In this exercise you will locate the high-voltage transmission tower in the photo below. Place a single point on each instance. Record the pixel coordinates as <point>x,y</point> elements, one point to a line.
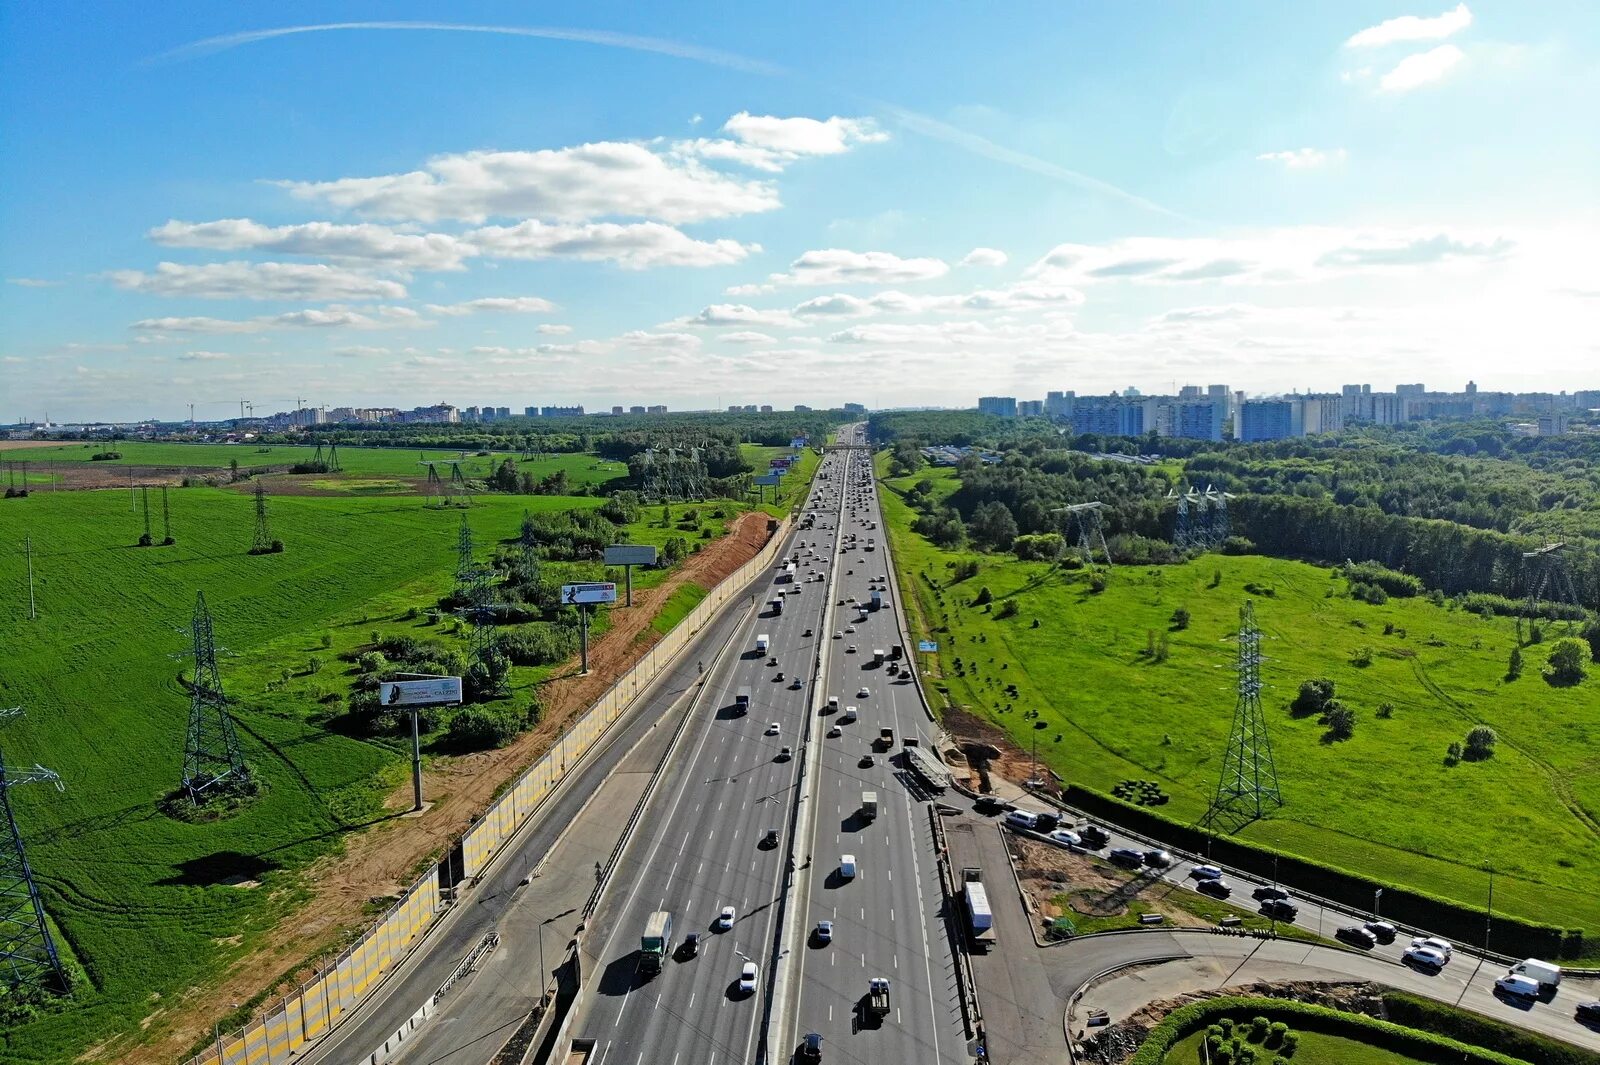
<point>330,462</point>
<point>166,519</point>
<point>1088,522</point>
<point>1548,578</point>
<point>261,544</point>
<point>28,955</point>
<point>675,477</point>
<point>1202,521</point>
<point>435,487</point>
<point>476,595</point>
<point>1249,776</point>
<point>211,755</point>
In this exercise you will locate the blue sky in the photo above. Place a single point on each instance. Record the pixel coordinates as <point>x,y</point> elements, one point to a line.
<point>892,203</point>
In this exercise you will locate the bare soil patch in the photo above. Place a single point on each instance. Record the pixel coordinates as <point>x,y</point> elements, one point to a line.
<point>382,861</point>
<point>1091,887</point>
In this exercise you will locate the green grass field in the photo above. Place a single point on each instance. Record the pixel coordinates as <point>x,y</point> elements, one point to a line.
<point>145,903</point>
<point>357,462</point>
<point>1315,1048</point>
<point>1383,803</point>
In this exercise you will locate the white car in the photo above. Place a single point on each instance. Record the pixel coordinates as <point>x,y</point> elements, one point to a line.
<point>847,866</point>
<point>1425,957</point>
<point>1022,818</point>
<point>864,692</point>
<point>1206,872</point>
<point>1434,943</point>
<point>774,728</point>
<point>726,918</point>
<point>838,635</point>
<point>747,978</point>
<point>1066,837</point>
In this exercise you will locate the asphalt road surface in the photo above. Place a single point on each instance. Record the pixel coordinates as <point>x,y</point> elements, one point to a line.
<point>700,845</point>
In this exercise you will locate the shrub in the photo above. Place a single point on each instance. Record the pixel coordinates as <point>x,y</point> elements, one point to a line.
<point>1393,582</point>
<point>1097,583</point>
<point>1008,609</point>
<point>984,597</point>
<point>1180,618</point>
<point>1385,711</point>
<point>1238,545</point>
<point>476,727</point>
<point>1340,719</point>
<point>1514,666</point>
<point>1480,744</point>
<point>326,641</point>
<point>1452,754</point>
<point>1314,697</point>
<point>1361,657</point>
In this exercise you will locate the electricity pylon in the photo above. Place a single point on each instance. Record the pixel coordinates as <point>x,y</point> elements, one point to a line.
<point>28,955</point>
<point>211,752</point>
<point>1090,524</point>
<point>262,543</point>
<point>1249,776</point>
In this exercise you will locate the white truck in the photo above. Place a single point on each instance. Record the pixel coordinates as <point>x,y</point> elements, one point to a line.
<point>869,805</point>
<point>763,643</point>
<point>980,917</point>
<point>1548,975</point>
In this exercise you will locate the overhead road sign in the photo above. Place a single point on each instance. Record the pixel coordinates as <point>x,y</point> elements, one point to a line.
<point>630,555</point>
<point>429,692</point>
<point>771,479</point>
<point>588,593</point>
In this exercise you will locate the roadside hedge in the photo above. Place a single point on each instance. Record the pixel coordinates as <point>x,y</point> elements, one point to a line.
<point>1302,1016</point>
<point>1454,920</point>
<point>1416,1012</point>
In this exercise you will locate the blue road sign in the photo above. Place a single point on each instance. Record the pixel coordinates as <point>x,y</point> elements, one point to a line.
<point>927,645</point>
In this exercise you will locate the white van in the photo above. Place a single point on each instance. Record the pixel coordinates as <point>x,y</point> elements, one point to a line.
<point>1022,819</point>
<point>1548,975</point>
<point>1521,986</point>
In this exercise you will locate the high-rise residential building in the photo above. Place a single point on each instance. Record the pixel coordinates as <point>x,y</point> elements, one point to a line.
<point>1059,404</point>
<point>1217,392</point>
<point>1410,390</point>
<point>1353,390</point>
<point>486,413</point>
<point>530,412</point>
<point>766,408</point>
<point>1587,398</point>
<point>617,409</point>
<point>801,408</point>
<point>657,408</point>
<point>1108,416</point>
<point>1265,419</point>
<point>561,412</point>
<point>1030,408</point>
<point>1552,424</point>
<point>1322,413</point>
<point>502,412</point>
<point>1192,420</point>
<point>1004,406</point>
<point>1190,392</point>
<point>855,408</point>
<point>636,410</point>
<point>1472,388</point>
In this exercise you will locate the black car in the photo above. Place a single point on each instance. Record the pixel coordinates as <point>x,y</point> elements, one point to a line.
<point>1215,886</point>
<point>1356,936</point>
<point>1094,836</point>
<point>1281,909</point>
<point>1157,859</point>
<point>691,945</point>
<point>1382,931</point>
<point>1262,894</point>
<point>1127,856</point>
<point>810,1048</point>
<point>1589,1012</point>
<point>770,839</point>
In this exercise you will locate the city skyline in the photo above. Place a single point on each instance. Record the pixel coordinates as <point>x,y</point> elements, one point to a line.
<point>754,213</point>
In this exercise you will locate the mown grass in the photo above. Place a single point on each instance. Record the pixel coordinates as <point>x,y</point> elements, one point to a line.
<point>581,469</point>
<point>144,902</point>
<point>1384,803</point>
<point>684,598</point>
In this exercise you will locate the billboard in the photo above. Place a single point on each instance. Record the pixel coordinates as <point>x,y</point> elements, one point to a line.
<point>798,442</point>
<point>630,555</point>
<point>588,592</point>
<point>428,692</point>
<point>927,645</point>
<point>769,479</point>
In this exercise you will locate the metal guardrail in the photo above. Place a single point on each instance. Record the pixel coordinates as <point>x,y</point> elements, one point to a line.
<point>469,964</point>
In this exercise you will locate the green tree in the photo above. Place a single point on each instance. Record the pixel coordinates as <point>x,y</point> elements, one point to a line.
<point>1314,697</point>
<point>1480,743</point>
<point>993,526</point>
<point>1340,719</point>
<point>1514,667</point>
<point>1180,618</point>
<point>1565,666</point>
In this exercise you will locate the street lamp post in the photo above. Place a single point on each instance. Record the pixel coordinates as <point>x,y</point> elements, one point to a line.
<point>1377,901</point>
<point>1488,915</point>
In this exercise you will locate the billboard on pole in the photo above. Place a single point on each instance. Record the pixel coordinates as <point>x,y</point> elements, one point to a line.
<point>428,692</point>
<point>769,479</point>
<point>589,592</point>
<point>630,555</point>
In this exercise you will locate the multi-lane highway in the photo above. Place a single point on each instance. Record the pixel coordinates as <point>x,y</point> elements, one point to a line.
<point>885,919</point>
<point>703,844</point>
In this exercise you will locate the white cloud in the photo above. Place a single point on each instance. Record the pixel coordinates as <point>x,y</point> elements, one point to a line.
<point>1421,69</point>
<point>1412,28</point>
<point>1412,251</point>
<point>720,314</point>
<point>1022,296</point>
<point>635,246</point>
<point>984,257</point>
<point>802,136</point>
<point>31,282</point>
<point>600,180</point>
<point>359,351</point>
<point>203,356</point>
<point>360,243</point>
<point>552,329</point>
<point>750,290</point>
<point>838,305</point>
<point>1304,158</point>
<point>748,336</point>
<point>311,318</point>
<point>258,281</point>
<point>837,266</point>
<point>645,340</point>
<point>495,304</point>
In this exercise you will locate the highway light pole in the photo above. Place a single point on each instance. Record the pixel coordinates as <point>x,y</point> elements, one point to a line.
<point>1377,900</point>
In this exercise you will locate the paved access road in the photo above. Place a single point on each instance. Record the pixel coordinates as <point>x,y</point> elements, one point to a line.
<point>887,918</point>
<point>700,844</point>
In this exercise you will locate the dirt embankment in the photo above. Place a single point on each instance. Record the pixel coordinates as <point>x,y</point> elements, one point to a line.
<point>378,863</point>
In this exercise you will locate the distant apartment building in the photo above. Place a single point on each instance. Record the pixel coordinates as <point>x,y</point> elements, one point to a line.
<point>1003,406</point>
<point>1030,408</point>
<point>1217,392</point>
<point>635,409</point>
<point>618,409</point>
<point>766,408</point>
<point>1108,416</point>
<point>530,412</point>
<point>1410,390</point>
<point>1587,398</point>
<point>1190,419</point>
<point>1265,419</point>
<point>801,408</point>
<point>1552,424</point>
<point>439,413</point>
<point>1190,392</point>
<point>561,412</point>
<point>656,408</point>
<point>502,412</point>
<point>1059,404</point>
<point>1322,414</point>
<point>855,408</point>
